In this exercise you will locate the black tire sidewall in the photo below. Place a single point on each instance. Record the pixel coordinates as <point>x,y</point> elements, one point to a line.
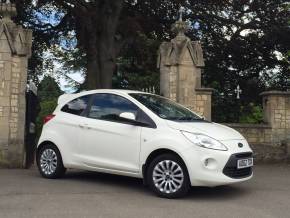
<point>60,170</point>
<point>186,182</point>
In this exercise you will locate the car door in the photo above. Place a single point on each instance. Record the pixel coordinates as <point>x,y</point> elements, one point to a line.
<point>108,142</point>
<point>68,126</point>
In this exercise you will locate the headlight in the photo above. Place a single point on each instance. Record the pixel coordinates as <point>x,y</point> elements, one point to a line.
<point>204,141</point>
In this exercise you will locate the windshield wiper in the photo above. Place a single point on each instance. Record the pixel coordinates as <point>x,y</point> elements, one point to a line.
<point>188,118</point>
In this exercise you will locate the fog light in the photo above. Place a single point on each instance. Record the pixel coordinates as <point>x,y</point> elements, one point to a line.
<point>210,163</point>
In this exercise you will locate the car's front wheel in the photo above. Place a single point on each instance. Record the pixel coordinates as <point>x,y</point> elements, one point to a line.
<point>168,177</point>
<point>49,162</point>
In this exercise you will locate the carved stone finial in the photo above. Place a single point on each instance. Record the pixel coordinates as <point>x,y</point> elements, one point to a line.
<point>7,10</point>
<point>180,27</point>
<point>181,11</point>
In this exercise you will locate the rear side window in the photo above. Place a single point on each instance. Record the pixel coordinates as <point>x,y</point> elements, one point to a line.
<point>109,107</point>
<point>77,106</point>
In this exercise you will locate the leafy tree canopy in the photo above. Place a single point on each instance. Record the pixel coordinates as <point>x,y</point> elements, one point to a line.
<point>245,42</point>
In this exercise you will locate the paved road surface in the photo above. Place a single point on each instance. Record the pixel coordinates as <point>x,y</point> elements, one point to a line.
<point>23,193</point>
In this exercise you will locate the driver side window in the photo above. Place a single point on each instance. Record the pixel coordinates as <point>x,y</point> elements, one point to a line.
<point>109,107</point>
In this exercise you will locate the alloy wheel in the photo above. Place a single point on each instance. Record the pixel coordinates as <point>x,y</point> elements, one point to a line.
<point>168,176</point>
<point>48,161</point>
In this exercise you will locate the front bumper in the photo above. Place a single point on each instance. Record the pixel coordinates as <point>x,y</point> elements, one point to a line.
<point>231,169</point>
<point>211,168</point>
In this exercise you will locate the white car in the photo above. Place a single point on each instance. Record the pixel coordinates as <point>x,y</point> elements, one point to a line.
<point>141,135</point>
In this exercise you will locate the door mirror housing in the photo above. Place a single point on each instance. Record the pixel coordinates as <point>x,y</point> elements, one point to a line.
<point>128,116</point>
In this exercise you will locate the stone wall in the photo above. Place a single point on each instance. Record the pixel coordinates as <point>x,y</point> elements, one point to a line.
<point>254,133</point>
<point>260,138</point>
<point>15,44</point>
<point>202,102</point>
<point>276,106</point>
<point>270,141</point>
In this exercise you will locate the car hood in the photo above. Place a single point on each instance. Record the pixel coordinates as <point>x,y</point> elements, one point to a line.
<point>214,130</point>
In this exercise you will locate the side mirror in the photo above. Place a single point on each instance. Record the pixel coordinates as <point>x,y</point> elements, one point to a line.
<point>128,116</point>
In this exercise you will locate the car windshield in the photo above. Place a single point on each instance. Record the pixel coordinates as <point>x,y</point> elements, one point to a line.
<point>166,108</point>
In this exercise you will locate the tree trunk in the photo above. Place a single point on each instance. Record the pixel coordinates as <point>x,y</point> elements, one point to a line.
<point>107,58</point>
<point>100,46</point>
<point>107,74</point>
<point>100,67</point>
<point>92,78</point>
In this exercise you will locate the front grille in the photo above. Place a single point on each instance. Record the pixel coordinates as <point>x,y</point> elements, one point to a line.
<point>235,173</point>
<point>244,155</point>
<point>231,169</point>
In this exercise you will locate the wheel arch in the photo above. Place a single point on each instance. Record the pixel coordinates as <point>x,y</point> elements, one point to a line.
<point>155,154</point>
<point>46,142</point>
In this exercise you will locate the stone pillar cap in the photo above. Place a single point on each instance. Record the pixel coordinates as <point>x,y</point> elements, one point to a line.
<point>205,90</point>
<point>275,92</point>
<point>7,10</point>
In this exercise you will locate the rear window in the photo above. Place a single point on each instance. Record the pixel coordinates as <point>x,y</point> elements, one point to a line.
<point>77,106</point>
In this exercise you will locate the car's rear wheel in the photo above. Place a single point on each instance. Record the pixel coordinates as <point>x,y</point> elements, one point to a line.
<point>168,177</point>
<point>49,162</point>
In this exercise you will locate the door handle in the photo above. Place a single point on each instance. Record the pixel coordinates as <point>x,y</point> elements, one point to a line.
<point>84,126</point>
<point>81,126</point>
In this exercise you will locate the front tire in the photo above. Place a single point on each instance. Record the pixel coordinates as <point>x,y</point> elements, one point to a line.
<point>49,162</point>
<point>168,177</point>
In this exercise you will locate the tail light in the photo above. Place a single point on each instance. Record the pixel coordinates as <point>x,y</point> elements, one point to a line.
<point>48,118</point>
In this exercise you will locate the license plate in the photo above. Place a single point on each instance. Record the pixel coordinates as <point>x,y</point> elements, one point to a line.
<point>244,163</point>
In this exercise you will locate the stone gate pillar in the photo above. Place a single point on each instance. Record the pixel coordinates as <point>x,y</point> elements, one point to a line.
<point>181,62</point>
<point>276,109</point>
<point>15,49</point>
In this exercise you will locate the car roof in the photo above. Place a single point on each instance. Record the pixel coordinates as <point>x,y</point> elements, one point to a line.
<point>67,97</point>
<point>120,91</point>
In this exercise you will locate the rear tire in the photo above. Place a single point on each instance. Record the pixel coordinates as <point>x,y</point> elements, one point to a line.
<point>167,176</point>
<point>49,162</point>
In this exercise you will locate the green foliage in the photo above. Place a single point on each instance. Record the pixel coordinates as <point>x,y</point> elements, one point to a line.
<point>251,114</point>
<point>137,64</point>
<point>47,107</point>
<point>48,93</point>
<point>48,89</point>
<point>240,39</point>
<point>134,81</point>
<point>28,16</point>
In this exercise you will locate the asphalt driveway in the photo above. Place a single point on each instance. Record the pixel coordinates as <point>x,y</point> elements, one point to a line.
<point>23,193</point>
